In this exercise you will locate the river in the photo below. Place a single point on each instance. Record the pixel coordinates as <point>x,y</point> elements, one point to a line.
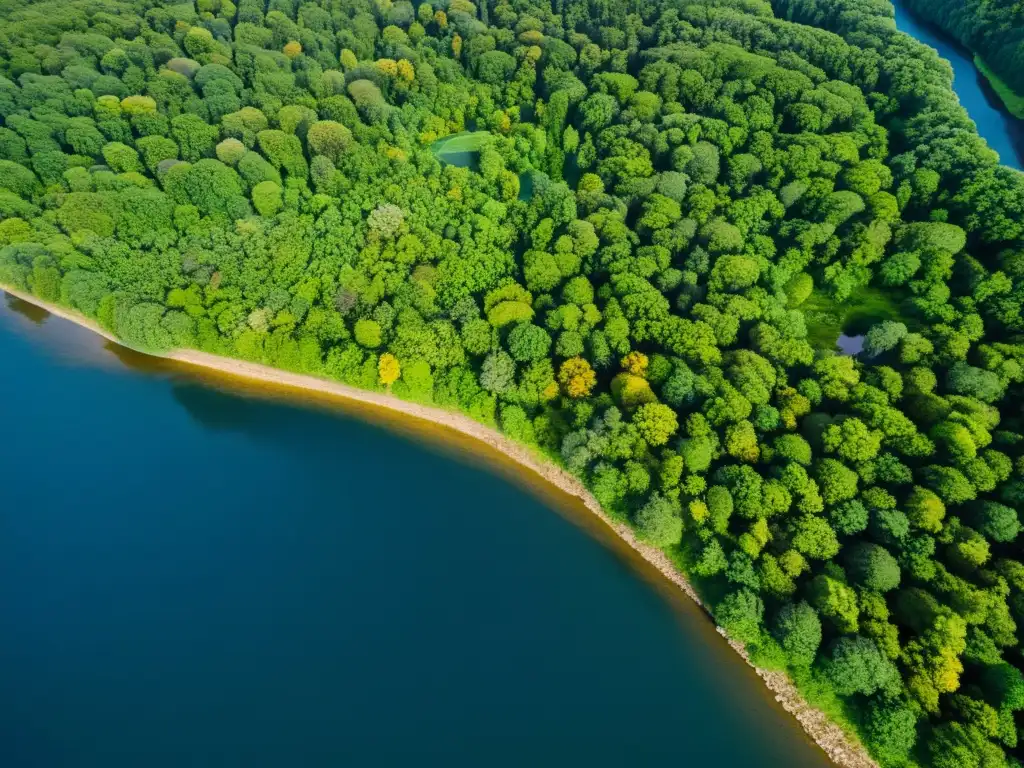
<point>1003,132</point>
<point>195,571</point>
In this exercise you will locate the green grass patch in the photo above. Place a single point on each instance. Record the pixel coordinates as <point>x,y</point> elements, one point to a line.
<point>1014,101</point>
<point>826,318</point>
<point>819,694</point>
<point>457,147</point>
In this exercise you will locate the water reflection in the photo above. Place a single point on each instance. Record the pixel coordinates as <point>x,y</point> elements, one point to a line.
<point>65,342</point>
<point>220,412</point>
<point>260,418</point>
<point>32,313</point>
<point>269,421</point>
<point>850,345</point>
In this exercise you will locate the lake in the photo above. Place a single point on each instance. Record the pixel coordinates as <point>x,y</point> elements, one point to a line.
<point>1003,132</point>
<point>198,571</point>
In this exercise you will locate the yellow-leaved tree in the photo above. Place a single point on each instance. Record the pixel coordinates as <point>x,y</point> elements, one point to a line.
<point>577,377</point>
<point>388,369</point>
<point>635,363</point>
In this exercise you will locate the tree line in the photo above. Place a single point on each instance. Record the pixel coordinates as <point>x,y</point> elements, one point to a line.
<point>993,29</point>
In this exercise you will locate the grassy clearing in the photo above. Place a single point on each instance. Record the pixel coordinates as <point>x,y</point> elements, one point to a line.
<point>1014,101</point>
<point>826,319</point>
<point>467,141</point>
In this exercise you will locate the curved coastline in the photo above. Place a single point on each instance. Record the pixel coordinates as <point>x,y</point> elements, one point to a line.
<point>841,748</point>
<point>974,96</point>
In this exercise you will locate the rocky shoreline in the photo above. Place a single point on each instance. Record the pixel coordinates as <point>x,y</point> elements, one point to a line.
<point>844,750</point>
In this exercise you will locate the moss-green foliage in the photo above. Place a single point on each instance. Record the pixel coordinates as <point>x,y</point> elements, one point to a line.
<point>658,314</point>
<point>1013,100</point>
<point>990,28</point>
<point>826,318</point>
<point>467,141</point>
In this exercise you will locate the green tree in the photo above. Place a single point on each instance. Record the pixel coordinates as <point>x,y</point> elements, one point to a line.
<point>720,507</point>
<point>266,198</point>
<point>792,448</point>
<point>498,373</point>
<point>229,151</point>
<point>195,138</point>
<point>838,482</point>
<point>925,510</point>
<point>964,379</point>
<point>883,337</point>
<point>892,731</point>
<point>121,158</point>
<point>18,179</point>
<point>798,630</point>
<point>367,333</point>
<point>872,566</point>
<point>996,521</point>
<point>284,151</point>
<point>330,139</point>
<point>704,164</point>
<point>658,522</point>
<point>244,125</point>
<point>813,537</point>
<point>856,665</point>
<point>528,342</point>
<point>655,422</point>
<point>834,600</point>
<point>740,614</point>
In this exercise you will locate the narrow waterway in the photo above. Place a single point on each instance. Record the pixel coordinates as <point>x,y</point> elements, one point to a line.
<point>1003,132</point>
<point>195,571</point>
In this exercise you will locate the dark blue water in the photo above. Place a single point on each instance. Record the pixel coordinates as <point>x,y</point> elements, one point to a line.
<point>196,577</point>
<point>850,345</point>
<point>1003,132</point>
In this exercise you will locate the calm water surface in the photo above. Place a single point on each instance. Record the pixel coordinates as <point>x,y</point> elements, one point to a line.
<point>1003,132</point>
<point>193,576</point>
<point>850,345</point>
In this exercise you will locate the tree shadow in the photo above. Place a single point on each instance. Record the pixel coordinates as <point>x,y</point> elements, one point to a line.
<point>34,314</point>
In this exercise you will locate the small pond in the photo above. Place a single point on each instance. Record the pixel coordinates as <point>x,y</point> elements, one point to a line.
<point>850,345</point>
<point>463,151</point>
<point>526,186</point>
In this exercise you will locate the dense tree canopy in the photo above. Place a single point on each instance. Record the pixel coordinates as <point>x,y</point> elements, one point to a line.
<point>993,29</point>
<point>637,272</point>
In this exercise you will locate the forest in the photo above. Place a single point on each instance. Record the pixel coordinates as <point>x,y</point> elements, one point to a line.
<point>992,29</point>
<point>669,212</point>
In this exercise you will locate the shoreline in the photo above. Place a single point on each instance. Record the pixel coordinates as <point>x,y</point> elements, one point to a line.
<point>989,92</point>
<point>839,747</point>
<point>1013,101</point>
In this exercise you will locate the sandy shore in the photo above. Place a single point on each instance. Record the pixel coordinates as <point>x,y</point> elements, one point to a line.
<point>842,749</point>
